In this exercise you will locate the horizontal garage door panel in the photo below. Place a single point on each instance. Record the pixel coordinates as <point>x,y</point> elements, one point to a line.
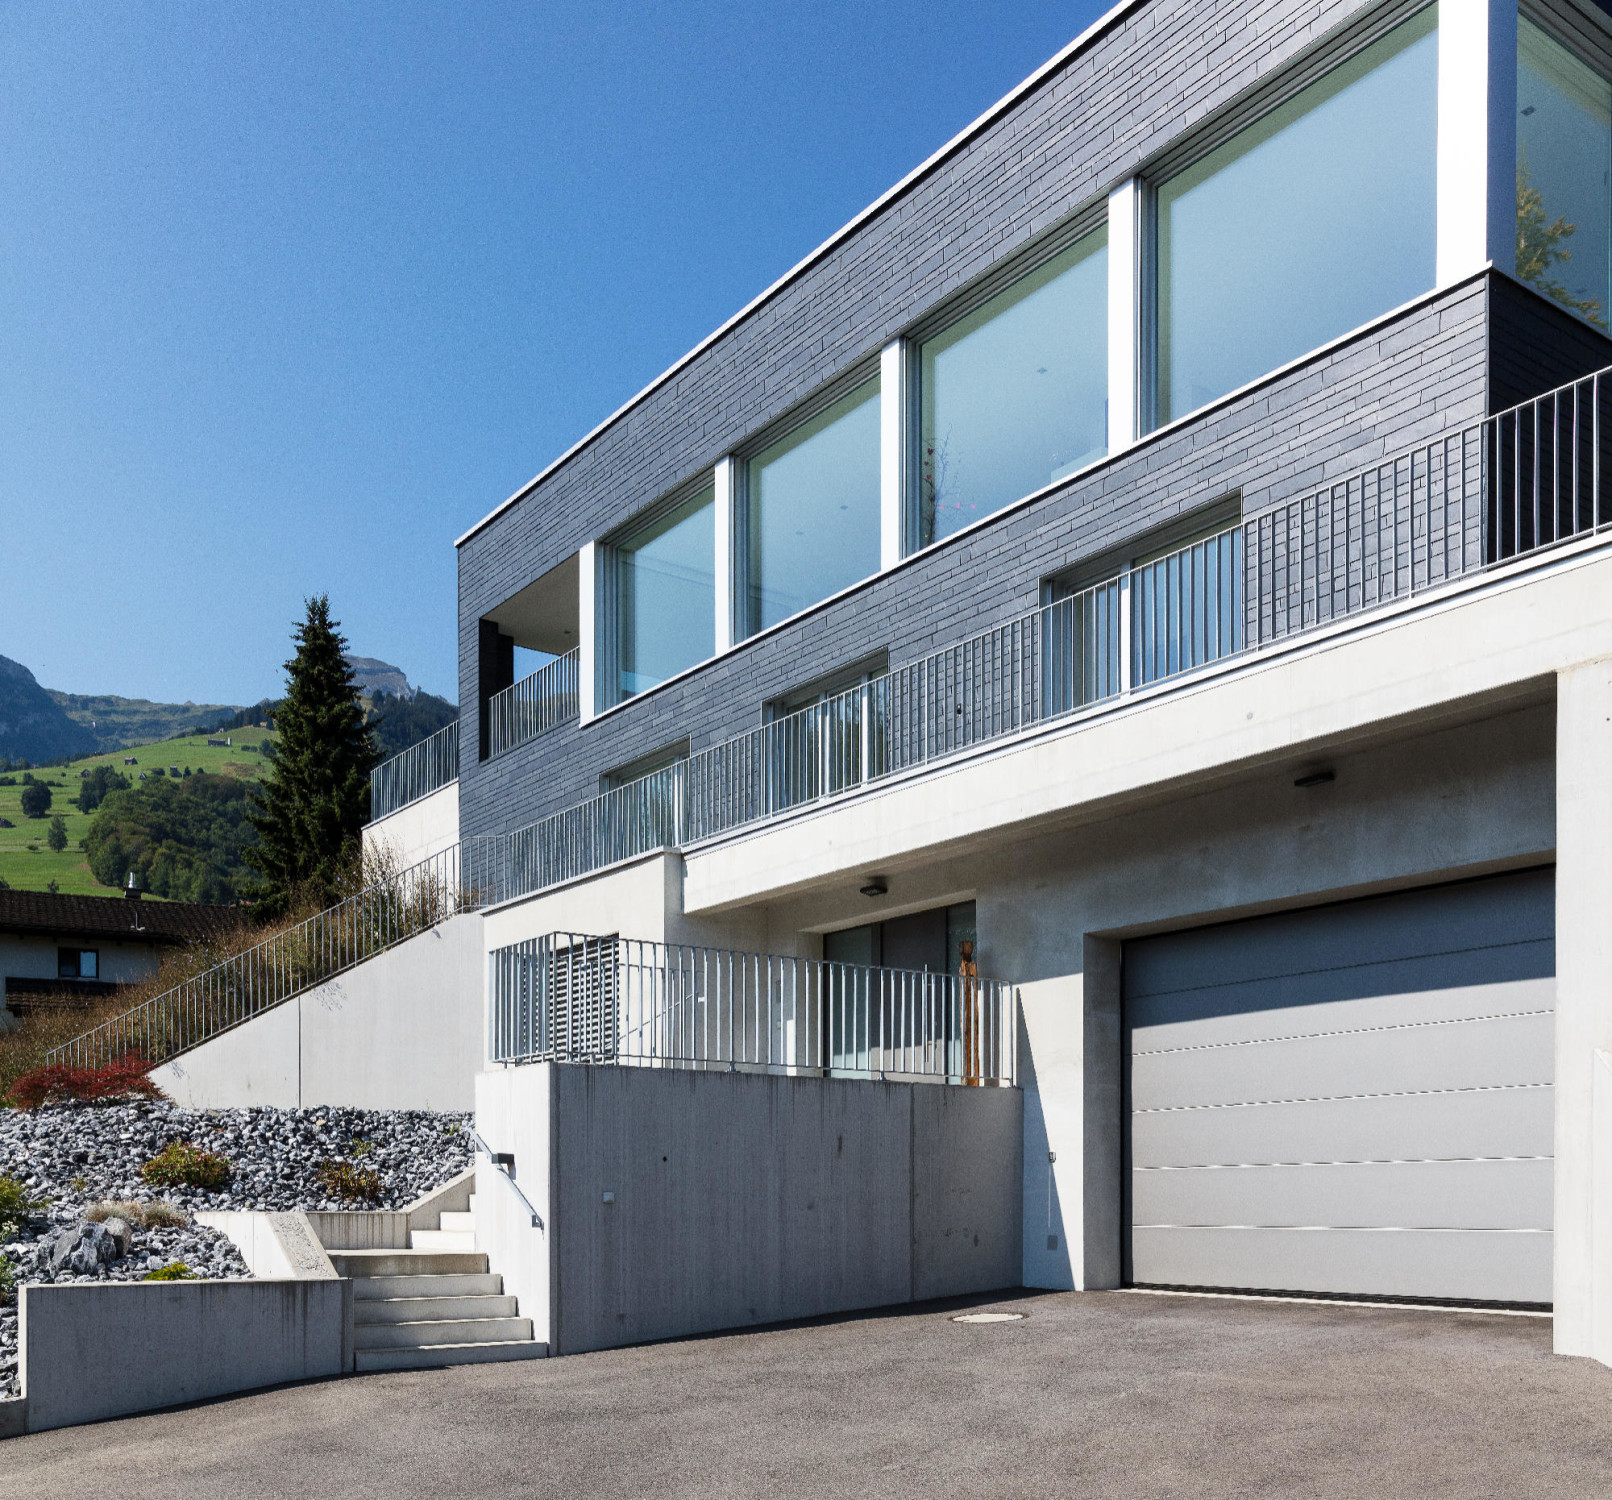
<point>1356,1099</point>
<point>1511,911</point>
<point>1149,1017</point>
<point>1451,1055</point>
<point>1462,1265</point>
<point>1433,1126</point>
<point>1472,1194</point>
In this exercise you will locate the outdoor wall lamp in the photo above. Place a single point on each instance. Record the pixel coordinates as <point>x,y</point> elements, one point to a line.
<point>877,885</point>
<point>1315,778</point>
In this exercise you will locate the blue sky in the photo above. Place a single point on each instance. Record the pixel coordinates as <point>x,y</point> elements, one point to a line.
<point>291,294</point>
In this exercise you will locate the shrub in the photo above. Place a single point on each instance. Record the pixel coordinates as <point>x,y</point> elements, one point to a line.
<point>179,1164</point>
<point>341,1179</point>
<point>126,1078</point>
<point>155,1215</point>
<point>8,1279</point>
<point>178,1271</point>
<point>15,1204</point>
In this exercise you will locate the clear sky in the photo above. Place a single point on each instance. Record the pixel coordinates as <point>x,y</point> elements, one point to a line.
<point>291,294</point>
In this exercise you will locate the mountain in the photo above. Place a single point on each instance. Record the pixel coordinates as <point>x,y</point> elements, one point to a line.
<point>397,723</point>
<point>376,676</point>
<point>33,726</point>
<point>119,723</point>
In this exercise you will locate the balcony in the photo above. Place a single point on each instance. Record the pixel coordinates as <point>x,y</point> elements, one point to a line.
<point>533,706</point>
<point>414,773</point>
<point>571,997</point>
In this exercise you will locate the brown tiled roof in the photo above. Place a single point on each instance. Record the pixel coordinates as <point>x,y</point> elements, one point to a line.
<point>41,913</point>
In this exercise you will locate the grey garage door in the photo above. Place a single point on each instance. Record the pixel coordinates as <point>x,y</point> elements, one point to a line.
<point>1352,1099</point>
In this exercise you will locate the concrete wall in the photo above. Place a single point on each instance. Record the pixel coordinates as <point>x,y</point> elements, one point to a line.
<point>419,830</point>
<point>404,1030</point>
<point>738,1198</point>
<point>106,1349</point>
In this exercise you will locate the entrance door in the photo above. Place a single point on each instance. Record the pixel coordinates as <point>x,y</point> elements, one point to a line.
<point>1354,1099</point>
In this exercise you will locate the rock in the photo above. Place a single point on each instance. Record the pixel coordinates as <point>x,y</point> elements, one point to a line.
<point>119,1232</point>
<point>82,1249</point>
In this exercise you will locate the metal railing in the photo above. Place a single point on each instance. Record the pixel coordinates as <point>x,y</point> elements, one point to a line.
<point>572,997</point>
<point>289,963</point>
<point>414,773</point>
<point>534,705</point>
<point>1451,508</point>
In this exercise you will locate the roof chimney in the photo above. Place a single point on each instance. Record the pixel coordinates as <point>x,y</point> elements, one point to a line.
<point>131,892</point>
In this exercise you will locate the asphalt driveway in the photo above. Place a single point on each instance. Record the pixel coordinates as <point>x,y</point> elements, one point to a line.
<point>1103,1393</point>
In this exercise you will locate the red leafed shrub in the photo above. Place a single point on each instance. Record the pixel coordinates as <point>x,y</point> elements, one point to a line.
<point>126,1078</point>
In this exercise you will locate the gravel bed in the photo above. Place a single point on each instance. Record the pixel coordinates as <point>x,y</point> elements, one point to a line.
<point>75,1156</point>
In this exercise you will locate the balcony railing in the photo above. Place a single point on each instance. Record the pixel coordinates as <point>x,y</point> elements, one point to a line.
<point>1497,490</point>
<point>534,705</point>
<point>415,773</point>
<point>570,997</point>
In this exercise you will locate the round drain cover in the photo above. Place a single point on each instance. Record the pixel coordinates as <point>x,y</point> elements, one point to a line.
<point>989,1318</point>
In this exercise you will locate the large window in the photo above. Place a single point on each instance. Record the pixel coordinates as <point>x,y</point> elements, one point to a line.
<point>1315,219</point>
<point>666,596</point>
<point>814,510</point>
<point>1564,175</point>
<point>1015,395</point>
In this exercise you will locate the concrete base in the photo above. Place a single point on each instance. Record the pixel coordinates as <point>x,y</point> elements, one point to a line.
<point>105,1350</point>
<point>679,1202</point>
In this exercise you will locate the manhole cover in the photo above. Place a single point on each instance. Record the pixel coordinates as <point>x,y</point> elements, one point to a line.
<point>988,1318</point>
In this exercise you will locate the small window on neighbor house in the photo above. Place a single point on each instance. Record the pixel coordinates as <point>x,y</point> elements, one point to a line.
<point>1015,394</point>
<point>77,963</point>
<point>813,510</point>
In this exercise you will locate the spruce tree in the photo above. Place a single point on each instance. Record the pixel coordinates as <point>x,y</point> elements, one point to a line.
<point>313,804</point>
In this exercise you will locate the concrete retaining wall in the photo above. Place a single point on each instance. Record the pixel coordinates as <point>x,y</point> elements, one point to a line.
<point>419,830</point>
<point>404,1030</point>
<point>108,1349</point>
<point>680,1202</point>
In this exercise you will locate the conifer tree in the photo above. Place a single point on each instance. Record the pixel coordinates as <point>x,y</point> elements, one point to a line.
<point>314,802</point>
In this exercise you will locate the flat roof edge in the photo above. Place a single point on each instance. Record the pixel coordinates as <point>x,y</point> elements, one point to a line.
<point>918,173</point>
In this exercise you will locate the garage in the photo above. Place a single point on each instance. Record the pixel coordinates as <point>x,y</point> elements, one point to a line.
<point>1353,1099</point>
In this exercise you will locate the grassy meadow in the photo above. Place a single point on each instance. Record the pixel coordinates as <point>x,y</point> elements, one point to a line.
<point>27,862</point>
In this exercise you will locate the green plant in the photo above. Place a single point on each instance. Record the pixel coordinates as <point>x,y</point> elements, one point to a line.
<point>79,1184</point>
<point>179,1164</point>
<point>341,1179</point>
<point>15,1204</point>
<point>8,1279</point>
<point>178,1271</point>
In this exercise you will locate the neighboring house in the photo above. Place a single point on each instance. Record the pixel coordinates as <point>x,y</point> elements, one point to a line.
<point>87,946</point>
<point>1154,555</point>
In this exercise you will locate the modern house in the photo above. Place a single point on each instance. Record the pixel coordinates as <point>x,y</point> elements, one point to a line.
<point>1126,621</point>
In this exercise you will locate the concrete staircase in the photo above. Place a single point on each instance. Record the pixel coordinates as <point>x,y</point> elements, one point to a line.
<point>433,1304</point>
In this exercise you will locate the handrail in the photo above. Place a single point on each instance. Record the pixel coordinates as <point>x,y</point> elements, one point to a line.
<point>414,773</point>
<point>498,1159</point>
<point>534,705</point>
<point>287,964</point>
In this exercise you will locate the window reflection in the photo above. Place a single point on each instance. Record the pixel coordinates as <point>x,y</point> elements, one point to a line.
<point>1314,220</point>
<point>1015,394</point>
<point>1564,175</point>
<point>666,596</point>
<point>814,510</point>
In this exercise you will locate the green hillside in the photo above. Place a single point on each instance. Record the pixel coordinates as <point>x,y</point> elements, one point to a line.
<point>26,861</point>
<point>137,721</point>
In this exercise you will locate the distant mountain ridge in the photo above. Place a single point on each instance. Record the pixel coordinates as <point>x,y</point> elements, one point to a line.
<point>376,676</point>
<point>33,726</point>
<point>121,723</point>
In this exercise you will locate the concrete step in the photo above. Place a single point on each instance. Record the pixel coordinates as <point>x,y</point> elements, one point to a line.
<point>427,1308</point>
<point>442,1239</point>
<point>486,1285</point>
<point>442,1331</point>
<point>450,1219</point>
<point>438,1356</point>
<point>408,1263</point>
